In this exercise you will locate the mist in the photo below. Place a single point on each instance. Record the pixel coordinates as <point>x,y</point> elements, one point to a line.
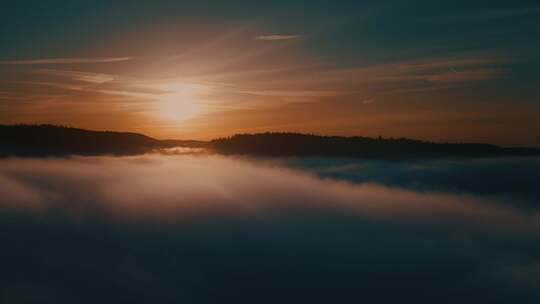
<point>205,228</point>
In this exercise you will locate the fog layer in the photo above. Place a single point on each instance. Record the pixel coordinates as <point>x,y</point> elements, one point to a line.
<point>212,229</point>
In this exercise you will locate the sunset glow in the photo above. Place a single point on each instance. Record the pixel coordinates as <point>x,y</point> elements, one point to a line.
<point>270,151</point>
<point>330,71</point>
<point>180,103</point>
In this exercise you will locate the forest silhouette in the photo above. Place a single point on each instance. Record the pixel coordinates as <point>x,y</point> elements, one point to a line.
<point>51,140</point>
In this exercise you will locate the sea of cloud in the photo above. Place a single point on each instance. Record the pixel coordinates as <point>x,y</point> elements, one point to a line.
<point>208,229</point>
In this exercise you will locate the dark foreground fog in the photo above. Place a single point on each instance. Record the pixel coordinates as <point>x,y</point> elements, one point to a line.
<point>210,229</point>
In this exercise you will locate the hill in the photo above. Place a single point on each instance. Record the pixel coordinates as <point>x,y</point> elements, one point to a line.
<point>46,140</point>
<point>50,140</point>
<point>294,144</point>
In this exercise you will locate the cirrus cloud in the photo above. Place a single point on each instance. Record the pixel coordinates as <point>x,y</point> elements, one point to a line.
<point>277,37</point>
<point>40,61</point>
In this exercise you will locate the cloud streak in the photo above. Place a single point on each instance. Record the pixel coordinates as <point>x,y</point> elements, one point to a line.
<point>277,37</point>
<point>97,78</point>
<point>488,15</point>
<point>44,61</point>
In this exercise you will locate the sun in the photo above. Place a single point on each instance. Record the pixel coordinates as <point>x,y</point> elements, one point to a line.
<point>180,102</point>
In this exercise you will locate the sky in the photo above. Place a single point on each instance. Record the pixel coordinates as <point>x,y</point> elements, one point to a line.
<point>452,71</point>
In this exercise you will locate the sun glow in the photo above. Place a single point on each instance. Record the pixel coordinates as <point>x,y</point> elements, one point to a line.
<point>180,102</point>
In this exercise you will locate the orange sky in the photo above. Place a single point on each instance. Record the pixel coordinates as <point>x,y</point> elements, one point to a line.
<point>203,81</point>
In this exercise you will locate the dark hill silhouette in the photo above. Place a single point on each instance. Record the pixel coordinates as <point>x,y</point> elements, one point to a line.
<point>294,144</point>
<point>45,140</point>
<point>50,140</point>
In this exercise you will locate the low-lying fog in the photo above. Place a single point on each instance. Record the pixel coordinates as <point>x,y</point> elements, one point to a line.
<point>203,228</point>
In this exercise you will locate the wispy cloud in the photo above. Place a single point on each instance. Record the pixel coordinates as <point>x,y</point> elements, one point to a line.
<point>399,75</point>
<point>295,93</point>
<point>79,76</point>
<point>468,75</point>
<point>488,15</point>
<point>277,37</point>
<point>65,60</point>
